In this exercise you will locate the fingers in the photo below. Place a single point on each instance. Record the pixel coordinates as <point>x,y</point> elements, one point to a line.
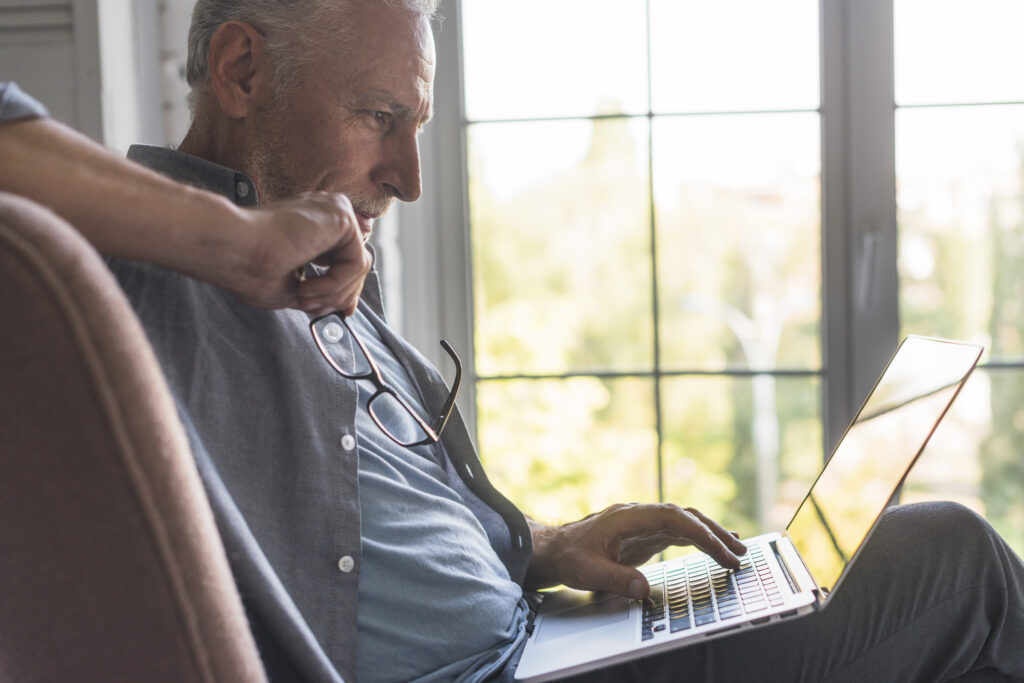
<point>606,575</point>
<point>729,538</point>
<point>347,261</point>
<point>600,551</point>
<point>688,525</point>
<point>338,288</point>
<point>316,227</point>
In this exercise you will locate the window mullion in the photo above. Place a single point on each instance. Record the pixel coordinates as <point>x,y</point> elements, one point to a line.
<point>859,202</point>
<point>437,298</point>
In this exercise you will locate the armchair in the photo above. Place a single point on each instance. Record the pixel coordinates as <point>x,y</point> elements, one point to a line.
<point>111,568</point>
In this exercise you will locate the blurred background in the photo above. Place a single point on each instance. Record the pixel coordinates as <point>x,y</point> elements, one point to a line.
<point>674,241</point>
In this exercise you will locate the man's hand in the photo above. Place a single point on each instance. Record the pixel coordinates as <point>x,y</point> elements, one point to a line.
<point>127,211</point>
<point>599,552</point>
<point>315,227</point>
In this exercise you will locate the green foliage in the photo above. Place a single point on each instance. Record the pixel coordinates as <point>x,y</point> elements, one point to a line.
<point>564,448</point>
<point>974,290</point>
<point>562,282</point>
<point>561,271</point>
<point>1002,460</point>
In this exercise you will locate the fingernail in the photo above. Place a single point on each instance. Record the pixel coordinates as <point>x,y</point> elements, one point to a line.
<point>636,589</point>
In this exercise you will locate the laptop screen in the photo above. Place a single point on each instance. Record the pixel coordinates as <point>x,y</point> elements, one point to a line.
<point>877,452</point>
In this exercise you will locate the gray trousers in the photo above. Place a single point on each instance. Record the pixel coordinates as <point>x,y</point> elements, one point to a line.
<point>936,595</point>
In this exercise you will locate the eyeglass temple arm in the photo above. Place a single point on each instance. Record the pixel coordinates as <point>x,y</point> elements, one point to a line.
<point>449,404</point>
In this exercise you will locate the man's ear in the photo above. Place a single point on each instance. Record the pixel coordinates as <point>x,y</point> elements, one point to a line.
<point>239,68</point>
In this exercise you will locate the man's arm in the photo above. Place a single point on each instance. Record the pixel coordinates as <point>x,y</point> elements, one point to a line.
<point>128,211</point>
<point>599,552</point>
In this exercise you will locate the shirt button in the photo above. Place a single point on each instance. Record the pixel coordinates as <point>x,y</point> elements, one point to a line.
<point>333,332</point>
<point>242,188</point>
<point>346,564</point>
<point>348,442</point>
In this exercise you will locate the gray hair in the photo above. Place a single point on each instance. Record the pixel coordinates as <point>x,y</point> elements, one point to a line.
<point>292,31</point>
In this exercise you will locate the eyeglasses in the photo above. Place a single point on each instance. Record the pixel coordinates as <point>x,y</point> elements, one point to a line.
<point>395,417</point>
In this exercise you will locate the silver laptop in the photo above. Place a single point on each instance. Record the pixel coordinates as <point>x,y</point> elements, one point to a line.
<point>784,575</point>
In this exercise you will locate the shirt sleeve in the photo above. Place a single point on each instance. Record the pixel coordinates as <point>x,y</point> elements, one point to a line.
<point>15,104</point>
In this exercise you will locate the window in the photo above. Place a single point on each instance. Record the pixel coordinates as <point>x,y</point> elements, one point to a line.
<point>667,230</point>
<point>960,206</point>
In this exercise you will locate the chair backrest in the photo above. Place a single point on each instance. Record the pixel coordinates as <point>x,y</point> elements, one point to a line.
<point>111,568</point>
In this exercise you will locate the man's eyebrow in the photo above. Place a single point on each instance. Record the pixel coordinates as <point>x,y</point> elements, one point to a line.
<point>428,117</point>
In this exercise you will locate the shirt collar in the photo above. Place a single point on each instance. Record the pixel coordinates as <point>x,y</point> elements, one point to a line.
<point>197,172</point>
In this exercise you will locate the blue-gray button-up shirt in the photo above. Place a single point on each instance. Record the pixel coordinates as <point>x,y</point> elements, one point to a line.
<point>271,428</point>
<point>16,105</point>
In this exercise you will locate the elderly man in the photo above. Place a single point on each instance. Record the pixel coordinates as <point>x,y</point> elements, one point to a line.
<point>363,545</point>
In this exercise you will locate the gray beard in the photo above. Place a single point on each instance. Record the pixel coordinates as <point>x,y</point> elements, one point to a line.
<point>273,182</point>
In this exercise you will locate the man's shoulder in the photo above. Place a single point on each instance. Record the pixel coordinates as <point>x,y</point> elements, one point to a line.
<point>166,299</point>
<point>144,279</point>
<point>173,307</point>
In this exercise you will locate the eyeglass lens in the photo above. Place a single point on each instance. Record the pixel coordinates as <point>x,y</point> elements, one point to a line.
<point>391,414</point>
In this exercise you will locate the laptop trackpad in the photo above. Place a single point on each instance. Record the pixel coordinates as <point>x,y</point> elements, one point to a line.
<point>581,612</point>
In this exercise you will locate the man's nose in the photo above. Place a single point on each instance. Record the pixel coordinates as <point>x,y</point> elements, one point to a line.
<point>401,174</point>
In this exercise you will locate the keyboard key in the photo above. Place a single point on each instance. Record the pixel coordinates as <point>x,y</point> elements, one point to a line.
<point>680,624</point>
<point>702,619</point>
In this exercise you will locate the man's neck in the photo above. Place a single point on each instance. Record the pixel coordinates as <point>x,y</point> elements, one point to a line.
<point>215,141</point>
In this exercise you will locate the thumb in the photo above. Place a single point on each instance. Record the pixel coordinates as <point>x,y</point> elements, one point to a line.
<point>606,575</point>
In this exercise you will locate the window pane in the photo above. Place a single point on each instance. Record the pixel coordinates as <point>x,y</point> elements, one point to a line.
<point>722,434</point>
<point>561,246</point>
<point>536,58</point>
<point>954,51</point>
<point>975,456</point>
<point>734,55</point>
<point>961,224</point>
<point>737,209</point>
<point>561,449</point>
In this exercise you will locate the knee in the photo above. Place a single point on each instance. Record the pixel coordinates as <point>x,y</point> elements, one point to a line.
<point>931,524</point>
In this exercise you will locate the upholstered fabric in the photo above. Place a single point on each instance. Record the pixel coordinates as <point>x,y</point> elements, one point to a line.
<point>111,568</point>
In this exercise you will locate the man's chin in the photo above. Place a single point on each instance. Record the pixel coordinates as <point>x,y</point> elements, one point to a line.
<point>365,224</point>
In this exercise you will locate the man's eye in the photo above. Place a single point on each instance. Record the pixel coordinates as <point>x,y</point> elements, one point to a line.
<point>381,117</point>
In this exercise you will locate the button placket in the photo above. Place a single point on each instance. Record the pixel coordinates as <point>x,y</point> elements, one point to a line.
<point>333,332</point>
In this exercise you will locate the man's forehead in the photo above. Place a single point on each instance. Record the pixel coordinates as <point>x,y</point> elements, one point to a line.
<point>391,61</point>
<point>377,24</point>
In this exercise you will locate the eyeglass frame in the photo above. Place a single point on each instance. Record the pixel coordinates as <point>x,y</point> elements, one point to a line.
<point>434,430</point>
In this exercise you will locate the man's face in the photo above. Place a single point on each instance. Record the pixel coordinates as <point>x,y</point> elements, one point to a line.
<point>351,125</point>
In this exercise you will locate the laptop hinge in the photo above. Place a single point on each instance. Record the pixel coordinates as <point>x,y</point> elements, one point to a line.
<point>794,583</point>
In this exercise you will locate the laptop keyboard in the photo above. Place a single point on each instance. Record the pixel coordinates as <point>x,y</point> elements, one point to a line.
<point>696,591</point>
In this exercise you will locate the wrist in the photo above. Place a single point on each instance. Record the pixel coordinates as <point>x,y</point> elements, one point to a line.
<point>541,571</point>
